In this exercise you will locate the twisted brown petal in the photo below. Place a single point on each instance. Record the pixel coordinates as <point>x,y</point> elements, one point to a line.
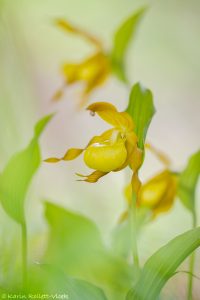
<point>93,177</point>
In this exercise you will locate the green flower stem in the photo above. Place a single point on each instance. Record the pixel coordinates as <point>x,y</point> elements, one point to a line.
<point>133,224</point>
<point>24,254</point>
<point>192,264</point>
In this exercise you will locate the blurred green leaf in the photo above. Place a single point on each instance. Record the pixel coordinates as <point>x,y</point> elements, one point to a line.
<point>161,266</point>
<point>141,109</point>
<point>121,242</point>
<point>75,246</point>
<point>77,237</point>
<point>122,38</point>
<point>46,279</point>
<point>120,239</point>
<point>17,175</point>
<point>188,180</point>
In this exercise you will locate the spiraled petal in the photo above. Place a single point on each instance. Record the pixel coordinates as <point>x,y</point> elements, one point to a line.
<point>123,217</point>
<point>75,152</point>
<point>159,154</point>
<point>52,160</point>
<point>136,185</point>
<point>93,177</point>
<point>69,155</point>
<point>133,187</point>
<point>72,154</point>
<point>58,95</point>
<point>67,26</point>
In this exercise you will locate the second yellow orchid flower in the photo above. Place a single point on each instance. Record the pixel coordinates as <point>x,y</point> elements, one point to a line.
<point>95,69</point>
<point>157,194</point>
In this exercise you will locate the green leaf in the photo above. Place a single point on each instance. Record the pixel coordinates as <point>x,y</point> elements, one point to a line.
<point>74,237</point>
<point>188,180</point>
<point>161,266</point>
<point>47,279</point>
<point>122,37</point>
<point>17,175</point>
<point>76,246</point>
<point>141,109</point>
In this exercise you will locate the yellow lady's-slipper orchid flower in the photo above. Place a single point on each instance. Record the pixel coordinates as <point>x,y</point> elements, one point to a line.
<point>157,194</point>
<point>113,150</point>
<point>93,71</point>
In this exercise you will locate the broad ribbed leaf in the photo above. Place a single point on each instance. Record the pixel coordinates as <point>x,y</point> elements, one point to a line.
<point>188,180</point>
<point>162,265</point>
<point>76,246</point>
<point>73,239</point>
<point>141,109</point>
<point>122,38</point>
<point>17,175</point>
<point>47,279</point>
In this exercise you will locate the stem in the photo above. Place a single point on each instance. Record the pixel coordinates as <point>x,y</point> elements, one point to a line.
<point>133,223</point>
<point>192,263</point>
<point>24,255</point>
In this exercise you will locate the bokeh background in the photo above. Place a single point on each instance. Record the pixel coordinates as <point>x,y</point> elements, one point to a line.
<point>164,57</point>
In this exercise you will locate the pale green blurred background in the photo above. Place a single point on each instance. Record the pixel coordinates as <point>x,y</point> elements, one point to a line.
<point>165,57</point>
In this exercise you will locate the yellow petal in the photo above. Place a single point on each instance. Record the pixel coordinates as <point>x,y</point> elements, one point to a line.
<point>164,176</point>
<point>128,193</point>
<point>136,158</point>
<point>94,74</point>
<point>129,150</point>
<point>129,120</point>
<point>72,154</point>
<point>133,187</point>
<point>94,68</point>
<point>66,26</point>
<point>136,185</point>
<point>58,94</point>
<point>133,153</point>
<point>132,138</point>
<point>159,154</point>
<point>52,160</point>
<point>69,155</point>
<point>70,72</point>
<point>116,119</point>
<point>101,106</point>
<point>93,177</point>
<point>75,152</point>
<point>103,138</point>
<point>130,144</point>
<point>123,217</point>
<point>109,113</point>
